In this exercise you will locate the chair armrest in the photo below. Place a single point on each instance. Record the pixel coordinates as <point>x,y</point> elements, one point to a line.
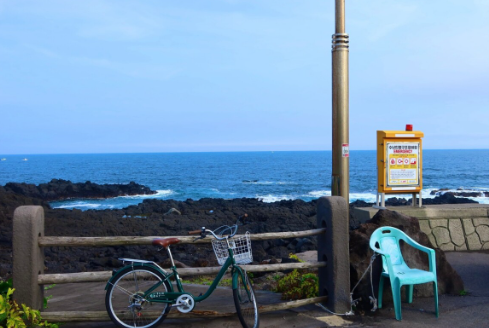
<point>431,252</point>
<point>413,243</point>
<point>379,251</point>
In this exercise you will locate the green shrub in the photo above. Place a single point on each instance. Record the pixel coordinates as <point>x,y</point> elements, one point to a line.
<point>295,257</point>
<point>13,315</point>
<point>4,286</point>
<point>298,284</point>
<point>47,298</point>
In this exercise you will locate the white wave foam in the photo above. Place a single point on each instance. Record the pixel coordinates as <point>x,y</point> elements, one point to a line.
<point>480,200</point>
<point>458,191</point>
<point>159,194</point>
<point>319,193</point>
<point>273,198</point>
<point>426,193</point>
<point>80,205</point>
<point>366,197</point>
<point>164,193</point>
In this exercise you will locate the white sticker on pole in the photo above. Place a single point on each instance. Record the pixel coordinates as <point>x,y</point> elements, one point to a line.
<point>345,150</point>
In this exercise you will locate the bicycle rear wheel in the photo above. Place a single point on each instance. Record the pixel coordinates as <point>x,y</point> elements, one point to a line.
<point>125,302</point>
<point>245,301</point>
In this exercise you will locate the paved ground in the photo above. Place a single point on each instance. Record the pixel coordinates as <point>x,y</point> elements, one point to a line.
<point>455,311</point>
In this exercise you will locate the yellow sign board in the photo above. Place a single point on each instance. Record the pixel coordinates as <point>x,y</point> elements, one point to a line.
<point>399,162</point>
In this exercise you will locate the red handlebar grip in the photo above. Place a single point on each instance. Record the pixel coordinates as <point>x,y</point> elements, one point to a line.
<point>195,232</point>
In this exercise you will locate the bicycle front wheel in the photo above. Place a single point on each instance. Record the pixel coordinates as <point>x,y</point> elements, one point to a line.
<point>125,302</point>
<point>245,301</point>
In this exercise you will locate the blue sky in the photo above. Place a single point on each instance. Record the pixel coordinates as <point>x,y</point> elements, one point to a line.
<point>228,75</point>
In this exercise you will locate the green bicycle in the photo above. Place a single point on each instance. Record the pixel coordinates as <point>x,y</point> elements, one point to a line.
<point>141,294</point>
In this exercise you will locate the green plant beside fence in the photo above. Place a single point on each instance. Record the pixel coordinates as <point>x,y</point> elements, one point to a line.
<point>13,315</point>
<point>298,284</point>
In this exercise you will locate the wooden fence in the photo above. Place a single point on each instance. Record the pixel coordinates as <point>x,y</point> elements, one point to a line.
<point>29,277</point>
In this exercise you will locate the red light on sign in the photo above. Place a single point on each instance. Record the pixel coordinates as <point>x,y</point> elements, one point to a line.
<point>409,127</point>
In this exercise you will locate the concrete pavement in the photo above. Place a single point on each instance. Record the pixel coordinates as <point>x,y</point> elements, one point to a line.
<point>455,311</point>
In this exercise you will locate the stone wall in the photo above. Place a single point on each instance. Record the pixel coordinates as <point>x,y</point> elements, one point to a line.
<point>457,234</point>
<point>463,227</point>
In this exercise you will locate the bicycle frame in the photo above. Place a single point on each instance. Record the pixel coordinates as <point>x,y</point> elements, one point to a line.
<point>171,296</point>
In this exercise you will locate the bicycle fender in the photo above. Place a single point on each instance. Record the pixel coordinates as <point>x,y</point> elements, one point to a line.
<point>136,265</point>
<point>237,271</point>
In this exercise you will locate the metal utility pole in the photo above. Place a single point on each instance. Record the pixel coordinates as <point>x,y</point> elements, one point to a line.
<point>340,184</point>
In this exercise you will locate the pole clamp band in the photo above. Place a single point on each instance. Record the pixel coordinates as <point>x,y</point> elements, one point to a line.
<point>340,41</point>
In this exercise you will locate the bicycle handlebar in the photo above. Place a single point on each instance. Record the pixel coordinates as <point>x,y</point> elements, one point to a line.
<point>232,229</point>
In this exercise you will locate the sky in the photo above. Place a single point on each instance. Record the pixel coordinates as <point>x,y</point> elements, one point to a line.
<point>115,76</point>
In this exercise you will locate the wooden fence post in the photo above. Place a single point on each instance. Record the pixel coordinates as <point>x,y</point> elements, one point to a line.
<point>28,257</point>
<point>333,248</point>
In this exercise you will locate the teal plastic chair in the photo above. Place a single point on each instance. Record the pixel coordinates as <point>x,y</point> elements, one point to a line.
<point>385,241</point>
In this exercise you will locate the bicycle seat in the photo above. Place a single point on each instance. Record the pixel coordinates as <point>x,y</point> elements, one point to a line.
<point>165,242</point>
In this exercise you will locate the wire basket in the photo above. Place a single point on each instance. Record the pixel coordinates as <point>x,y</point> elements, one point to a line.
<point>240,245</point>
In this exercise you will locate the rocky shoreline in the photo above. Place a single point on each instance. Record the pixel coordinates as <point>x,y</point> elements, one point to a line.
<point>155,217</point>
<point>460,192</point>
<point>152,217</point>
<point>59,189</point>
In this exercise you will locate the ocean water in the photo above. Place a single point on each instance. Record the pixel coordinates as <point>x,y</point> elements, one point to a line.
<point>269,176</point>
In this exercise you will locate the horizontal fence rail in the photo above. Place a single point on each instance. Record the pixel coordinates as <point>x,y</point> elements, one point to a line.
<point>86,316</point>
<point>65,278</point>
<point>124,241</point>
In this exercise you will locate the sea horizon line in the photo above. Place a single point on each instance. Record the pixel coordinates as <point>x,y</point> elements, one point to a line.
<point>224,151</point>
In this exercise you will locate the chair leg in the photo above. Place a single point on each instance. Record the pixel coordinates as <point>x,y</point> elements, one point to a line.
<point>409,293</point>
<point>381,292</point>
<point>435,292</point>
<point>396,297</point>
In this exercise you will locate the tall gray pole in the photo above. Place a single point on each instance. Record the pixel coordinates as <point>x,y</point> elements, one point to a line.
<point>340,184</point>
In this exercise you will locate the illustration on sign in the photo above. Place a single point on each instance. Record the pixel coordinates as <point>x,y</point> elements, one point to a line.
<point>402,167</point>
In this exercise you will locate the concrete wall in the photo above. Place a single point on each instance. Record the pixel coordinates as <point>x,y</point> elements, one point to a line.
<point>463,227</point>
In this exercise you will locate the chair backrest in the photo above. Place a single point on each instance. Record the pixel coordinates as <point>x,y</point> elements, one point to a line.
<point>387,239</point>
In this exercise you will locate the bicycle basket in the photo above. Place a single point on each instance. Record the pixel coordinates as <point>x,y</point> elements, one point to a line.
<point>240,245</point>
